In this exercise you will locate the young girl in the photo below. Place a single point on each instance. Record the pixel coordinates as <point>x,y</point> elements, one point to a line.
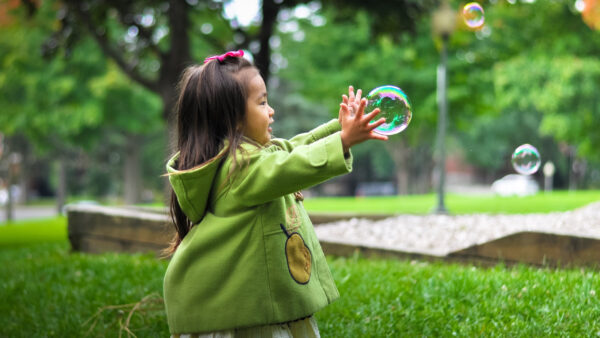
<point>246,260</point>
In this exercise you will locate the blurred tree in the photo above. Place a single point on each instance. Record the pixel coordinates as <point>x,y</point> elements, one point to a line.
<point>392,17</point>
<point>92,105</point>
<point>325,59</point>
<point>153,41</point>
<point>132,114</point>
<point>564,91</point>
<point>350,46</point>
<point>47,101</point>
<point>542,93</point>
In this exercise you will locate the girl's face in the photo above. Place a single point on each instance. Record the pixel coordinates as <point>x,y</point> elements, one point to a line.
<point>259,115</point>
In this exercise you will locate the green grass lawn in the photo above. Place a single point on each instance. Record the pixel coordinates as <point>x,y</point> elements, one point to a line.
<point>456,204</point>
<point>33,231</point>
<point>389,298</point>
<point>48,291</point>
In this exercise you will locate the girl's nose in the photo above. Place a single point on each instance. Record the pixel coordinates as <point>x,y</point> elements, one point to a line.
<point>271,111</point>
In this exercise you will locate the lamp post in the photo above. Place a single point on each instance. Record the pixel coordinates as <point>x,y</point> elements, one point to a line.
<point>444,21</point>
<point>548,170</point>
<point>13,168</point>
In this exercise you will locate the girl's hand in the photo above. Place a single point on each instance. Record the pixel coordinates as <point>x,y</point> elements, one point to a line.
<point>351,101</point>
<point>356,128</point>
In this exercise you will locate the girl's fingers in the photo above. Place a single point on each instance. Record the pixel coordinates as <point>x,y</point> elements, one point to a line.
<point>372,114</point>
<point>351,93</point>
<point>344,108</point>
<point>358,94</point>
<point>361,108</point>
<point>345,99</point>
<point>376,124</point>
<point>353,108</point>
<point>375,136</point>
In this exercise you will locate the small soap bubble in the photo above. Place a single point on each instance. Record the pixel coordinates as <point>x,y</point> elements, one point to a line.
<point>473,15</point>
<point>394,106</point>
<point>526,159</point>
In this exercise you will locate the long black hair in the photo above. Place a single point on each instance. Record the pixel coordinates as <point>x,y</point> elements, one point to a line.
<point>211,109</point>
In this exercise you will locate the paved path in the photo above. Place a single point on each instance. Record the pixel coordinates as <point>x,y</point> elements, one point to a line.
<point>21,212</point>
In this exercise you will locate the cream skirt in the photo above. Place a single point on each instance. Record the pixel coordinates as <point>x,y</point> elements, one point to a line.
<point>304,328</point>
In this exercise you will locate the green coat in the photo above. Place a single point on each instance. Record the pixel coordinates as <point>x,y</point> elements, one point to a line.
<point>253,257</point>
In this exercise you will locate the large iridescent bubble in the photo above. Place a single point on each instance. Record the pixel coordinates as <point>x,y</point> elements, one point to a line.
<point>394,106</point>
<point>473,15</point>
<point>526,159</point>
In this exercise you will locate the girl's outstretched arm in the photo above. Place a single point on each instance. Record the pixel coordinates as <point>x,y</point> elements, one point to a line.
<point>326,129</point>
<point>280,170</point>
<point>317,133</point>
<point>275,171</point>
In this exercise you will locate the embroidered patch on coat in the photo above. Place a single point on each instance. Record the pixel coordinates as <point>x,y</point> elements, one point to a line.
<point>298,256</point>
<point>292,218</point>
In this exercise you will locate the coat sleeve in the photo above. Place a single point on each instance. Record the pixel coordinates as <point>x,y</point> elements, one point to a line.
<point>274,172</point>
<point>316,134</point>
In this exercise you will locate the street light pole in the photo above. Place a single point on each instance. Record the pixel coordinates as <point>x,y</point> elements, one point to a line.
<point>441,127</point>
<point>444,20</point>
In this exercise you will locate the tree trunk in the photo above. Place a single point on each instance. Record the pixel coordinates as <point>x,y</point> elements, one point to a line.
<point>400,155</point>
<point>421,170</point>
<point>9,201</point>
<point>61,189</point>
<point>25,175</point>
<point>132,171</point>
<point>270,9</point>
<point>171,147</point>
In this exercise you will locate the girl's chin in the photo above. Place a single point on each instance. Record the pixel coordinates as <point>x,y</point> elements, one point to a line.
<point>266,140</point>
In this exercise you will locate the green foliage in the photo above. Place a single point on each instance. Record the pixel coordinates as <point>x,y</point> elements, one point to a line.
<point>125,106</point>
<point>294,114</point>
<point>333,56</point>
<point>393,16</point>
<point>337,54</point>
<point>517,91</point>
<point>504,90</point>
<point>498,79</point>
<point>564,89</point>
<point>75,104</point>
<point>49,101</point>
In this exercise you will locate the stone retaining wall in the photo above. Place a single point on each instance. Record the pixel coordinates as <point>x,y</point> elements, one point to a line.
<point>98,229</point>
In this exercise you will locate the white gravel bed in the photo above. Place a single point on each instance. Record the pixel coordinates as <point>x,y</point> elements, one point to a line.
<point>440,235</point>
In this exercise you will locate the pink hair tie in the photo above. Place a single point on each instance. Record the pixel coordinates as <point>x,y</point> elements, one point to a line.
<point>221,58</point>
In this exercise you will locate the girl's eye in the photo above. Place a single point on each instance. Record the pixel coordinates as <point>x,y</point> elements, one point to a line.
<point>263,103</point>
